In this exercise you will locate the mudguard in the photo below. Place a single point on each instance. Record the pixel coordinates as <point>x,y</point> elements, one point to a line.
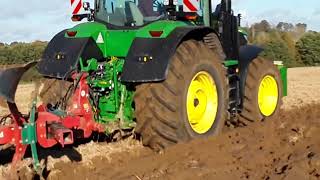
<point>247,54</point>
<point>148,58</point>
<point>10,79</point>
<point>62,54</point>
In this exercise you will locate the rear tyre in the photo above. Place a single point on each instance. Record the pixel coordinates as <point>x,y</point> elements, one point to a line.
<point>263,92</point>
<point>190,103</point>
<point>214,43</point>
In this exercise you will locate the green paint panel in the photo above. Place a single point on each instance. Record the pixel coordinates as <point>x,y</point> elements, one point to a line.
<point>229,63</point>
<point>284,74</point>
<point>29,136</point>
<point>166,26</point>
<point>118,42</point>
<point>29,129</point>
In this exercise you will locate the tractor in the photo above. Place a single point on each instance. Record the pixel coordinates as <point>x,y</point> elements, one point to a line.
<point>169,71</point>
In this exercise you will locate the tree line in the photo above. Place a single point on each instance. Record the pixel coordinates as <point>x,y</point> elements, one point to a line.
<point>292,44</point>
<point>286,42</point>
<point>20,53</point>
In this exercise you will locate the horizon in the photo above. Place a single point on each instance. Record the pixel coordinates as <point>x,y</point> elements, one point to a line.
<point>21,26</point>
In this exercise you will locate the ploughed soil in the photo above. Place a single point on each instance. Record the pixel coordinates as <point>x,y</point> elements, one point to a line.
<point>285,147</point>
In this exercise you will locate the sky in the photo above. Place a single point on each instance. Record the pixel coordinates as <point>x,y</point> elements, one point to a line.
<point>30,20</point>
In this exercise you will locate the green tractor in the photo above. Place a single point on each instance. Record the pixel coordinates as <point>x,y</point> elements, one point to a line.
<point>173,70</point>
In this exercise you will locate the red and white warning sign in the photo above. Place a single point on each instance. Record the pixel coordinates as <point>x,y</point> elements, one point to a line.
<point>76,6</point>
<point>191,5</point>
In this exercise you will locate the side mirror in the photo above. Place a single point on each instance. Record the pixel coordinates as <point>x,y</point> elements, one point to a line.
<point>86,6</point>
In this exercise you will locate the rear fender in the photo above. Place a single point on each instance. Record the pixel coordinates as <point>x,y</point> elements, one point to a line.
<point>62,55</point>
<point>149,58</point>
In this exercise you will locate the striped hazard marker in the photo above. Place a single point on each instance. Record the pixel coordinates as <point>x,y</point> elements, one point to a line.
<point>191,5</point>
<point>76,6</point>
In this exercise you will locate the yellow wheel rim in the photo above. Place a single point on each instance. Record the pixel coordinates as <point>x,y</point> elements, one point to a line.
<point>202,102</point>
<point>268,95</point>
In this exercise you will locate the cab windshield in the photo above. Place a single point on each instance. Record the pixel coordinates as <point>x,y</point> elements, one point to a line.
<point>129,13</point>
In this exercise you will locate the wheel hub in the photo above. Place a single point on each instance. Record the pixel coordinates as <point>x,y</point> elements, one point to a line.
<point>202,102</point>
<point>268,95</point>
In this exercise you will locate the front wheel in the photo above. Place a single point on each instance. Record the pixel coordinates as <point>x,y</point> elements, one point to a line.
<point>190,103</point>
<point>263,91</point>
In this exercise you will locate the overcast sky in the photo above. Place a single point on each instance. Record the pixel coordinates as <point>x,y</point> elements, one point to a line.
<point>30,20</point>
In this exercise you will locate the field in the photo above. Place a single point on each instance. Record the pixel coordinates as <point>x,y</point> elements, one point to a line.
<point>284,148</point>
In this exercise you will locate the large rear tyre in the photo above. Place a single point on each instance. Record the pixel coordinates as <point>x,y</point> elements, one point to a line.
<point>190,103</point>
<point>263,92</point>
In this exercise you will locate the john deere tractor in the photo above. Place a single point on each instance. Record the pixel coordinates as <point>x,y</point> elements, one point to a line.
<point>171,70</point>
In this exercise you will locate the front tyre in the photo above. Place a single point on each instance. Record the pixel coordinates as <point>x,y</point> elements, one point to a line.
<point>190,103</point>
<point>263,92</point>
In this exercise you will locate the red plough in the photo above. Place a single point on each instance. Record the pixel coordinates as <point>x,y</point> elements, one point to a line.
<point>43,126</point>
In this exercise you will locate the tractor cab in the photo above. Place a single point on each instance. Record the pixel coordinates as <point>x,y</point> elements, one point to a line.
<point>127,13</point>
<point>140,12</point>
<point>135,14</point>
